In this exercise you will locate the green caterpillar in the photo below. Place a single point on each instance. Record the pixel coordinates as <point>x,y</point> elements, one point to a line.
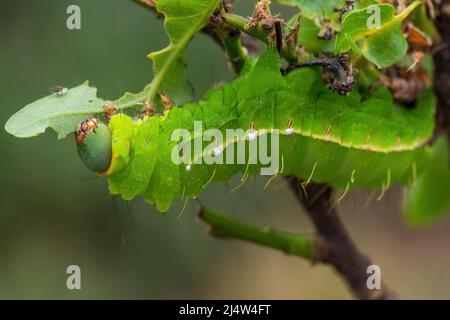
<point>346,142</point>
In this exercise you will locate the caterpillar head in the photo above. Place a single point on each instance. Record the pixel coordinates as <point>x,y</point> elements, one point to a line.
<point>105,149</point>
<point>94,144</point>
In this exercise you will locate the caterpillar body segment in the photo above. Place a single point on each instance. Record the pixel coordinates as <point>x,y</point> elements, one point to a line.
<point>152,173</point>
<point>344,141</point>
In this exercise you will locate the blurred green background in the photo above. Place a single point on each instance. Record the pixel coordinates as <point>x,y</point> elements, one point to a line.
<point>55,213</point>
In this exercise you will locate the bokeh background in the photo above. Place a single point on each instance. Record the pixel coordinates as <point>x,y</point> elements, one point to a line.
<point>55,213</point>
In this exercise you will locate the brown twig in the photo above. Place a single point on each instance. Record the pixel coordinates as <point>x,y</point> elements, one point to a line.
<point>442,61</point>
<point>341,252</point>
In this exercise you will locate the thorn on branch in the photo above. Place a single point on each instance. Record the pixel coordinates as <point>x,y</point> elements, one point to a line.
<point>291,38</point>
<point>261,15</point>
<point>148,110</point>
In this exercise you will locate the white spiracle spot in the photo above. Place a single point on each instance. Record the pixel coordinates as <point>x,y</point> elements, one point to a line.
<point>217,151</point>
<point>252,135</point>
<point>289,131</point>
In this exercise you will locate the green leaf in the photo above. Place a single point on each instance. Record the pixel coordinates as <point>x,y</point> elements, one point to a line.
<point>64,113</point>
<point>383,45</point>
<point>429,197</point>
<point>61,113</point>
<point>316,8</point>
<point>183,19</point>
